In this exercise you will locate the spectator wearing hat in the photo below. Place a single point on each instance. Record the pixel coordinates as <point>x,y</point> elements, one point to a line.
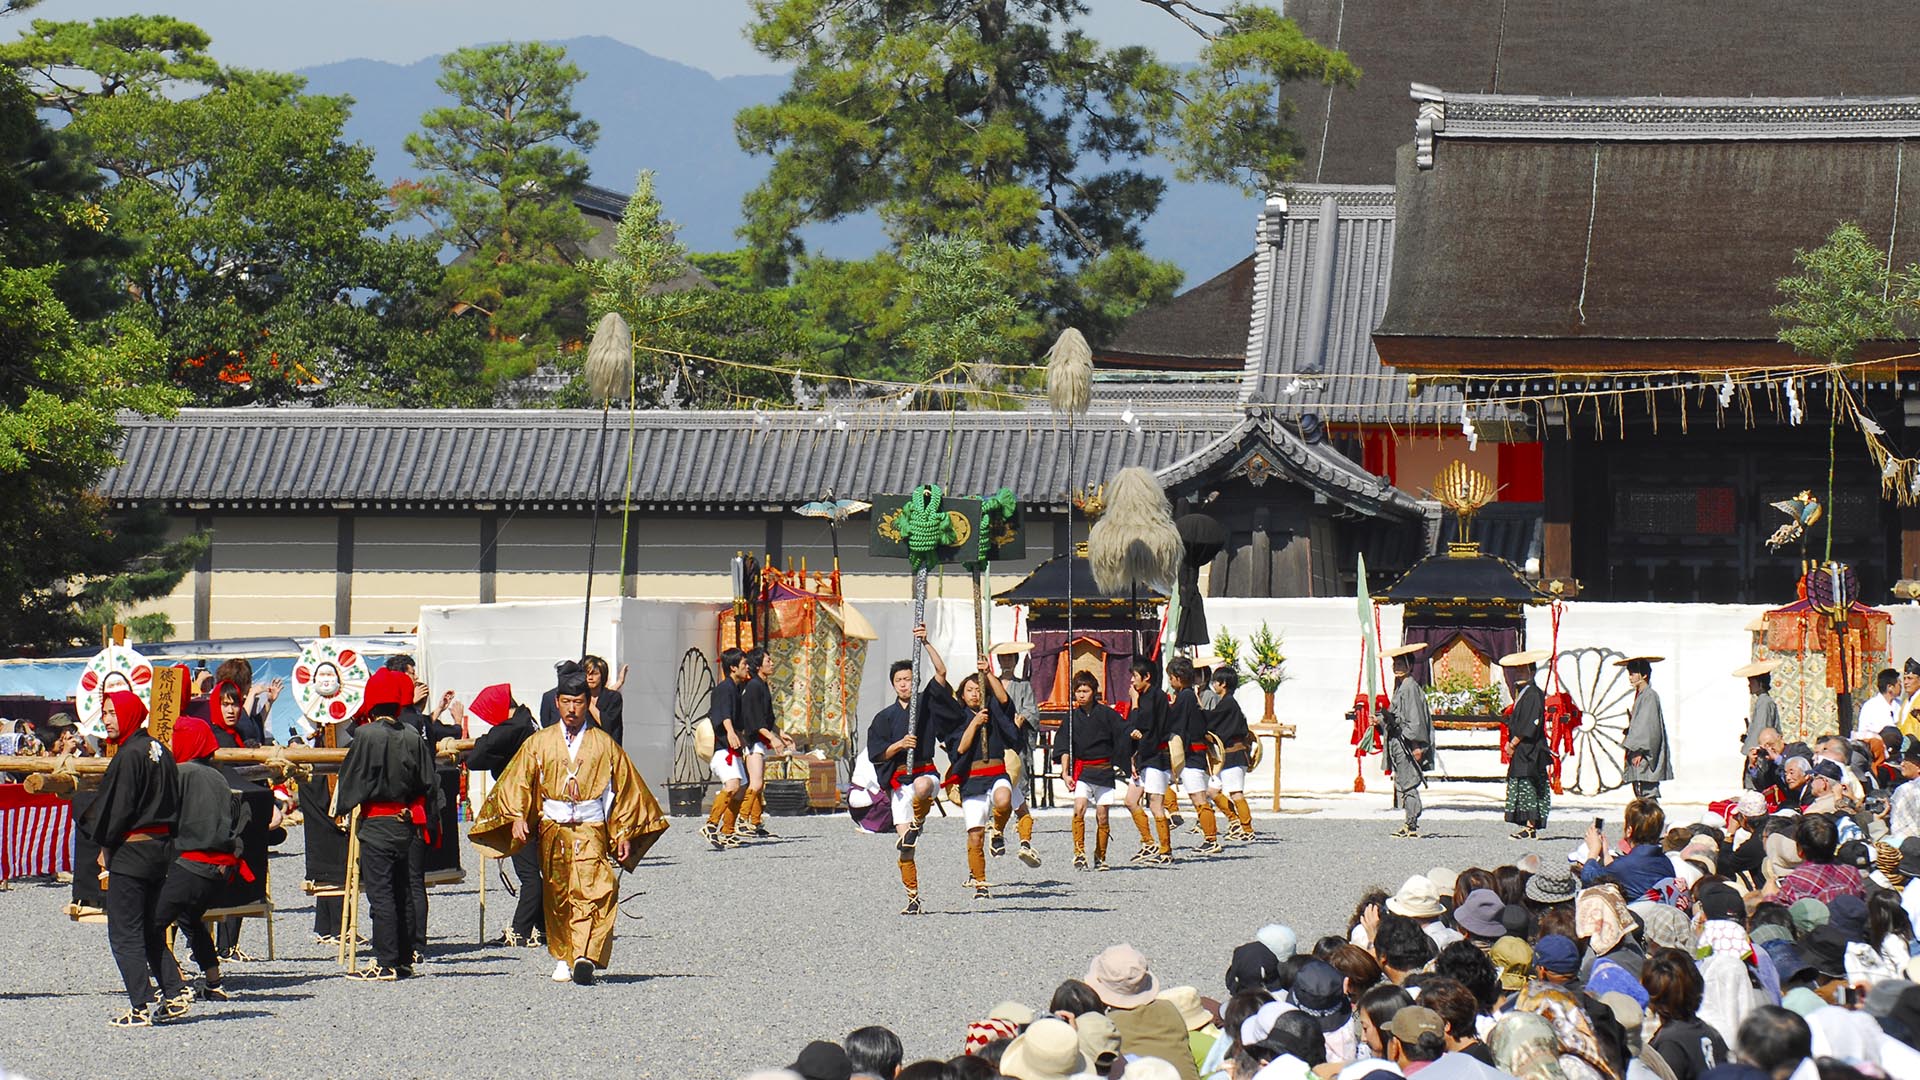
<point>1281,939</point>
<point>821,1060</point>
<point>1555,887</point>
<point>1742,851</point>
<point>1253,967</point>
<point>874,1051</point>
<point>1556,959</point>
<point>1416,1037</point>
<point>1910,869</point>
<point>1147,1025</point>
<point>1419,900</point>
<point>1513,958</point>
<point>1903,810</point>
<point>1480,916</point>
<point>1828,784</point>
<point>1047,1050</point>
<point>1817,877</point>
<point>1098,1040</point>
<point>1203,1026</point>
<point>1320,991</point>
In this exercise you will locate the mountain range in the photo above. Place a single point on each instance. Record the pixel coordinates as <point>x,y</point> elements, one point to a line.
<point>678,121</point>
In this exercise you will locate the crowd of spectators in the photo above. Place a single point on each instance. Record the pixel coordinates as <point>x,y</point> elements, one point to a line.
<point>1761,943</point>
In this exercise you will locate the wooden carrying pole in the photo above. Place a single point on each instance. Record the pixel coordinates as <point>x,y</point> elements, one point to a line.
<point>61,775</point>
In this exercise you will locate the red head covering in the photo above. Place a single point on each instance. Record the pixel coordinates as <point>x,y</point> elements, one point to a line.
<point>494,704</point>
<point>387,687</point>
<point>192,739</point>
<point>130,714</point>
<point>216,717</point>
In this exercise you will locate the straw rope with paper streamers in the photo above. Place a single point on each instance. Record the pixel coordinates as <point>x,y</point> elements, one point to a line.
<point>927,528</point>
<point>113,668</point>
<point>329,681</point>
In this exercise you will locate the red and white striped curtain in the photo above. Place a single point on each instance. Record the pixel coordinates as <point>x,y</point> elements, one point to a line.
<point>36,833</point>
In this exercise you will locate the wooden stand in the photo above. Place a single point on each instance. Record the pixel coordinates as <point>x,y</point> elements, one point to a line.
<point>1279,733</point>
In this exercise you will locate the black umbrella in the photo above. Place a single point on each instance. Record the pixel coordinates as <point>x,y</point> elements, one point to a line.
<point>1201,538</point>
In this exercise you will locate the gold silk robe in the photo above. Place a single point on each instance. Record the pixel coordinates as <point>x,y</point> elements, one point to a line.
<point>580,893</point>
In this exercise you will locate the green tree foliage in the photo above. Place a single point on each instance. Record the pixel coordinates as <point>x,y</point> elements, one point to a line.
<point>505,161</point>
<point>1002,120</point>
<point>671,305</point>
<point>261,270</point>
<point>65,561</point>
<point>1845,296</point>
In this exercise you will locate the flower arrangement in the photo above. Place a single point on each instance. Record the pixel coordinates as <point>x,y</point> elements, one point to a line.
<point>1455,695</point>
<point>1264,663</point>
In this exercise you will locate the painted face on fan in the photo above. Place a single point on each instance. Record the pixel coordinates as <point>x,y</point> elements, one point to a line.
<point>326,680</point>
<point>114,682</point>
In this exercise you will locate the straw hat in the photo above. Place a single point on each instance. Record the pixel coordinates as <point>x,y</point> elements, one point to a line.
<point>1757,667</point>
<point>1187,1000</point>
<point>1120,976</point>
<point>1049,1050</point>
<point>1625,660</point>
<point>1525,658</point>
<point>1417,899</point>
<point>1010,648</point>
<point>1207,660</point>
<point>1404,650</point>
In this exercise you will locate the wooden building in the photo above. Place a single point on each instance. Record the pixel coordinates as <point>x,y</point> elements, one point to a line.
<point>356,517</point>
<point>1566,246</point>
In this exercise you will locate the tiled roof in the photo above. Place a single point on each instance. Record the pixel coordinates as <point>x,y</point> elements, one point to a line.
<point>716,460</point>
<point>1320,284</point>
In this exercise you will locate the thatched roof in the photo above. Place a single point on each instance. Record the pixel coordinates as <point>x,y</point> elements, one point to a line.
<point>1650,232</point>
<point>1597,47</point>
<point>1204,328</point>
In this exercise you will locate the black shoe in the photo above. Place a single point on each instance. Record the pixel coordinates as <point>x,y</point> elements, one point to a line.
<point>1028,855</point>
<point>913,905</point>
<point>583,972</point>
<point>404,971</point>
<point>760,830</point>
<point>374,974</point>
<point>1176,820</point>
<point>217,992</point>
<point>175,1007</point>
<point>997,844</point>
<point>1102,865</point>
<point>1080,861</point>
<point>132,1018</point>
<point>1161,858</point>
<point>1211,847</point>
<point>979,890</point>
<point>1407,832</point>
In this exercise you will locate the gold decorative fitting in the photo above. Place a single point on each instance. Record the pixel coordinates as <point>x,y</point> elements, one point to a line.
<point>1463,490</point>
<point>1091,501</point>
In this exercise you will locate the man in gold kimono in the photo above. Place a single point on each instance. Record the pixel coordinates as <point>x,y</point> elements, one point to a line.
<point>591,805</point>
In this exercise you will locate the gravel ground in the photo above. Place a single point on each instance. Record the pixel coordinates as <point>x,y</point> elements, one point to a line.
<point>737,959</point>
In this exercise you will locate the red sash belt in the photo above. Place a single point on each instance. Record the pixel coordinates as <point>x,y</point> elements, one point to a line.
<point>148,832</point>
<point>925,769</point>
<point>220,858</point>
<point>998,768</point>
<point>1079,765</point>
<point>1196,748</point>
<point>415,811</point>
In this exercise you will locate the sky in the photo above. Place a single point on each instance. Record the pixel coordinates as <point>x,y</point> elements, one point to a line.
<point>284,35</point>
